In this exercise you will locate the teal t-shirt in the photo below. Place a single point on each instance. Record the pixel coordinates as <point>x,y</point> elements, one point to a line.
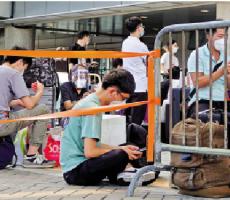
<point>204,63</point>
<point>72,143</point>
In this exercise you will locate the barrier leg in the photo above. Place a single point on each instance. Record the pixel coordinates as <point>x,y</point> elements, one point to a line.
<point>134,182</point>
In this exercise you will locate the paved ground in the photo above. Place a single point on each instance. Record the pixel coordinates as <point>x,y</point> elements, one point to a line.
<point>20,183</point>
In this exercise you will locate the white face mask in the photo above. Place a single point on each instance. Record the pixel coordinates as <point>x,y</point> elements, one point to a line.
<point>117,102</point>
<point>219,44</point>
<point>175,49</point>
<point>21,72</point>
<point>142,33</point>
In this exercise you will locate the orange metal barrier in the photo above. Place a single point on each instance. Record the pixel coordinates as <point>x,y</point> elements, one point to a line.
<point>152,100</point>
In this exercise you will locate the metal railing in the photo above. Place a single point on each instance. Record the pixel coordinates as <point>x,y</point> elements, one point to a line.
<point>159,145</point>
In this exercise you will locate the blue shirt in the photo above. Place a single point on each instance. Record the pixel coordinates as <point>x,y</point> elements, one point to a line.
<point>72,143</point>
<point>204,65</point>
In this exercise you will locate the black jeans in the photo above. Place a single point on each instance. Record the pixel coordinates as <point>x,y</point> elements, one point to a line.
<point>137,113</point>
<point>92,171</point>
<point>204,105</point>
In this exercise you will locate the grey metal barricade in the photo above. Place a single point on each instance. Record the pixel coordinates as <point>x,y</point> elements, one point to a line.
<point>159,146</point>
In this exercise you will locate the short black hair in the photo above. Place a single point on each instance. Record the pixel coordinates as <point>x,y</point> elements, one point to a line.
<point>116,62</point>
<point>13,59</point>
<point>132,23</point>
<point>173,42</point>
<point>82,34</point>
<point>120,78</point>
<point>207,31</point>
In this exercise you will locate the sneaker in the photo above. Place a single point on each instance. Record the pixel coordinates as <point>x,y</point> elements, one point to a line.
<point>37,161</point>
<point>124,178</point>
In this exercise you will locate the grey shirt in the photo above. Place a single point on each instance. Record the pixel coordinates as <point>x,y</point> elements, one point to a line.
<point>12,86</point>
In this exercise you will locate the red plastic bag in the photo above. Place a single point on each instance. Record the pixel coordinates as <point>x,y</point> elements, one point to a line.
<point>52,149</point>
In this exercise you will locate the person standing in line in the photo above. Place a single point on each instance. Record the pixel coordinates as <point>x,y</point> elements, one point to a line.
<point>137,67</point>
<point>165,57</point>
<point>117,63</point>
<point>83,39</point>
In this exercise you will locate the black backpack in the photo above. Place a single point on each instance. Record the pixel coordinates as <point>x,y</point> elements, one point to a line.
<point>7,152</point>
<point>136,135</point>
<point>43,70</point>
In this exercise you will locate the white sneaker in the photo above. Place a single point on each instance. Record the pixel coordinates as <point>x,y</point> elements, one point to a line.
<point>124,178</point>
<point>37,161</point>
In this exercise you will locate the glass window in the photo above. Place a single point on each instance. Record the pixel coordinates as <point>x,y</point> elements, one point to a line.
<point>2,41</point>
<point>106,24</point>
<point>118,24</point>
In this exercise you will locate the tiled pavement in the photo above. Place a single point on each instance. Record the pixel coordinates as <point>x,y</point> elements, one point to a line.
<point>48,184</point>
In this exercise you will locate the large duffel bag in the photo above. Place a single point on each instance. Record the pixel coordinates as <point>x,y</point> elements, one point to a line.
<point>212,192</point>
<point>195,172</point>
<point>187,160</point>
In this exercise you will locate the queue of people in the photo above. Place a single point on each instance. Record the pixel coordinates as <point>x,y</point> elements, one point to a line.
<point>84,159</point>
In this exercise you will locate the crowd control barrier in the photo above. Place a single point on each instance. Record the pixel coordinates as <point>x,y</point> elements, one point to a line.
<point>184,30</point>
<point>152,99</point>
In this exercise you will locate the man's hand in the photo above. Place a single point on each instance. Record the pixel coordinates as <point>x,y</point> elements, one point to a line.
<point>85,94</point>
<point>37,87</point>
<point>132,151</point>
<point>40,87</point>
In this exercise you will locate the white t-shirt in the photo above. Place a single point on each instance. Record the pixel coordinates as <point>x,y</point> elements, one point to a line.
<point>165,61</point>
<point>137,65</point>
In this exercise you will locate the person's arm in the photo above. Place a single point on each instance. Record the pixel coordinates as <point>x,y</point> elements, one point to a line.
<point>162,62</point>
<point>144,49</point>
<point>69,104</point>
<point>21,92</point>
<point>203,80</point>
<point>91,133</point>
<point>16,102</point>
<point>30,102</point>
<point>228,76</point>
<point>70,66</point>
<point>91,150</point>
<point>66,97</point>
<point>71,60</point>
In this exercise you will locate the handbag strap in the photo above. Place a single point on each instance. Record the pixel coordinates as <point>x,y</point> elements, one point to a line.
<point>216,67</point>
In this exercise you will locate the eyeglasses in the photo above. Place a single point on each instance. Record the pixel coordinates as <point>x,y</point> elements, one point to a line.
<point>123,96</point>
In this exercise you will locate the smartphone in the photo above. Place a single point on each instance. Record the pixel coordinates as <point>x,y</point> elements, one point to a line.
<point>142,149</point>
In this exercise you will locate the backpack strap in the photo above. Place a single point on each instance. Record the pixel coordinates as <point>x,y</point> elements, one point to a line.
<point>14,161</point>
<point>216,67</point>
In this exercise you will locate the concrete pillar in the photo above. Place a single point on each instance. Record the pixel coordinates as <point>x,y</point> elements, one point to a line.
<point>23,37</point>
<point>222,12</point>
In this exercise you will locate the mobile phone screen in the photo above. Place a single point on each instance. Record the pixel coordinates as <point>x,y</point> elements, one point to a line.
<point>142,149</point>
